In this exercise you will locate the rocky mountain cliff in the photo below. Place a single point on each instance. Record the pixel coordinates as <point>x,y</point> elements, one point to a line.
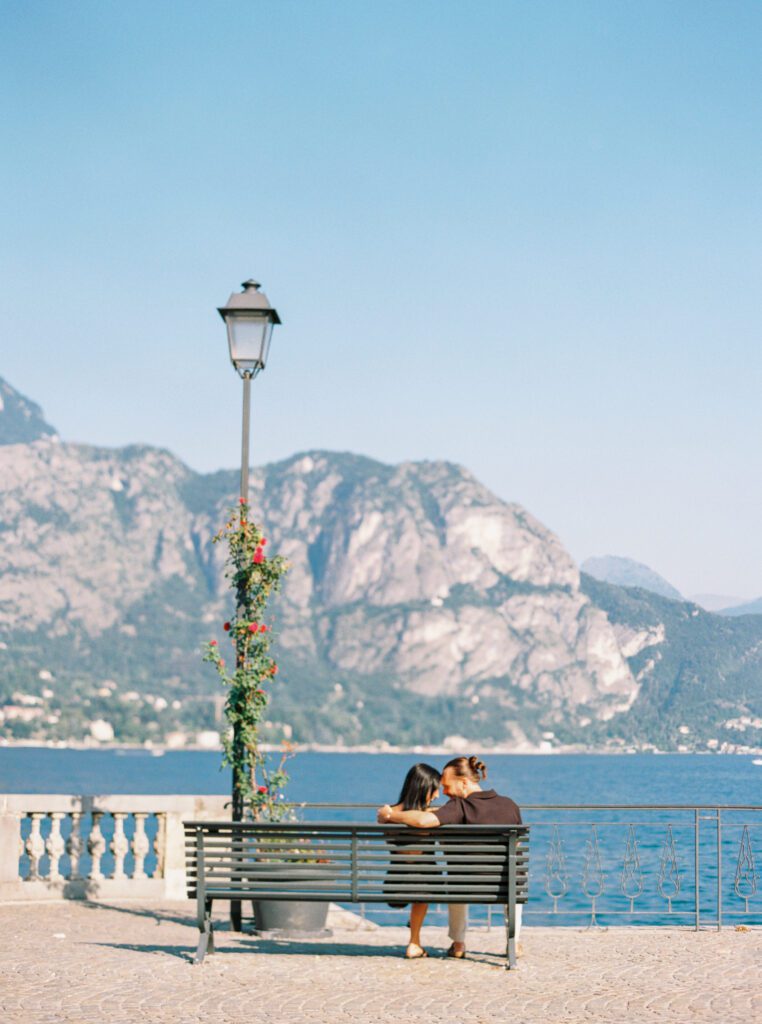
<point>419,605</point>
<point>21,421</point>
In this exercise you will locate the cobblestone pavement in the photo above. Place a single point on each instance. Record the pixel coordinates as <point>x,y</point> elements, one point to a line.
<point>121,963</point>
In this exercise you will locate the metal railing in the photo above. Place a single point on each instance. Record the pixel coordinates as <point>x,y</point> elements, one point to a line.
<point>663,864</point>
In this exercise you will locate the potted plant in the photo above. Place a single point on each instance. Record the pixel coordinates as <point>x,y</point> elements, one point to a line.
<point>302,863</point>
<point>257,786</point>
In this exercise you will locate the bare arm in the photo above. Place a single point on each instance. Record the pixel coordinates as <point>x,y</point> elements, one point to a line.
<point>415,819</point>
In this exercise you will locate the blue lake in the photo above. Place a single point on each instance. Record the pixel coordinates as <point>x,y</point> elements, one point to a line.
<point>376,778</point>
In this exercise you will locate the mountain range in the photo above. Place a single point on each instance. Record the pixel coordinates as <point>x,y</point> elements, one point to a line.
<point>419,609</point>
<point>625,572</point>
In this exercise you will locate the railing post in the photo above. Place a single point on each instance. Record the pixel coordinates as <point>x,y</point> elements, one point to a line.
<point>696,856</point>
<point>119,845</point>
<point>172,860</point>
<point>96,847</point>
<point>10,837</point>
<point>140,845</point>
<point>719,869</point>
<point>35,845</point>
<point>55,846</point>
<point>74,845</point>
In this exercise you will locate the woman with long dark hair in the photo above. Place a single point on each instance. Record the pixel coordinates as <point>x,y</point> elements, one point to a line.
<point>420,788</point>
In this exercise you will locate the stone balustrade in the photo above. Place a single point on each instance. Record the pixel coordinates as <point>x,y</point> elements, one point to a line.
<point>97,847</point>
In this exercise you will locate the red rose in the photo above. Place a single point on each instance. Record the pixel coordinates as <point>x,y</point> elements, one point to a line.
<point>252,627</point>
<point>222,662</point>
<point>212,643</point>
<point>274,670</point>
<point>261,693</point>
<point>263,628</point>
<point>259,556</point>
<point>226,626</point>
<point>242,501</point>
<point>263,542</point>
<point>261,789</point>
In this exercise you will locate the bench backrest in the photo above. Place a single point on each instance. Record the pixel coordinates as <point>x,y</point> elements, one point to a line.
<point>356,862</point>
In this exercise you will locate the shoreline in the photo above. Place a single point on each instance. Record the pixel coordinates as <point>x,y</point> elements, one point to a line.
<point>439,750</point>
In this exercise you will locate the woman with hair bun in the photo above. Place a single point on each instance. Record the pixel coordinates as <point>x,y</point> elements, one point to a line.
<point>469,804</point>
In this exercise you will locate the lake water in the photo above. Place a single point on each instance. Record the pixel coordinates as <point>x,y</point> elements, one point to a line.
<point>376,778</point>
<point>625,865</point>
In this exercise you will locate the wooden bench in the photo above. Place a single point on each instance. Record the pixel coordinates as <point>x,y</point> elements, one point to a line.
<point>355,863</point>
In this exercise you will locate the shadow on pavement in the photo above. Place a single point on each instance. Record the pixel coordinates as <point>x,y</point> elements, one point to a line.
<point>179,952</point>
<point>282,947</point>
<point>299,948</point>
<point>158,916</point>
<point>264,948</point>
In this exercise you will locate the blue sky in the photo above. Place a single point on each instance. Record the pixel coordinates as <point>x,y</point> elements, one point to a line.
<point>520,236</point>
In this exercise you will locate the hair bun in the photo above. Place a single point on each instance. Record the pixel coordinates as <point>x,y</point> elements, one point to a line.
<point>478,767</point>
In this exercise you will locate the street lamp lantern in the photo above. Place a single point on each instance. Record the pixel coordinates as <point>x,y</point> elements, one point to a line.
<point>249,318</point>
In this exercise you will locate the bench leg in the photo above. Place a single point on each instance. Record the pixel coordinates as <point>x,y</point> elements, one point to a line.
<point>235,915</point>
<point>510,934</point>
<point>205,939</point>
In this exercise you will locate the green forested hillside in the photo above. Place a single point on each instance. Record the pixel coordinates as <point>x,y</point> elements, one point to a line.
<point>706,672</point>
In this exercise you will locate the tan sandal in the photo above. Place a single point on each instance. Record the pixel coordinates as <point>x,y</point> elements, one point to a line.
<point>456,954</point>
<point>416,956</point>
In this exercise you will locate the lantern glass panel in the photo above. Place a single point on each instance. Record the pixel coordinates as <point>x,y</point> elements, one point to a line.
<point>249,340</point>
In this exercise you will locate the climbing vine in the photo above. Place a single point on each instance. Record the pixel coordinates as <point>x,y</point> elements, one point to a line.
<point>254,577</point>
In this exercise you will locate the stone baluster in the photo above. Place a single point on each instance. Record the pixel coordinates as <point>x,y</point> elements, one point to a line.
<point>74,844</point>
<point>96,847</point>
<point>35,846</point>
<point>55,846</point>
<point>119,846</point>
<point>160,845</point>
<point>140,845</point>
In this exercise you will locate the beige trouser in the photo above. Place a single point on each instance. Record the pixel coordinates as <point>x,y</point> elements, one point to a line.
<point>458,913</point>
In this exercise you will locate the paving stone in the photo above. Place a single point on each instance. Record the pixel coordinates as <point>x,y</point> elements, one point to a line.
<point>130,962</point>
